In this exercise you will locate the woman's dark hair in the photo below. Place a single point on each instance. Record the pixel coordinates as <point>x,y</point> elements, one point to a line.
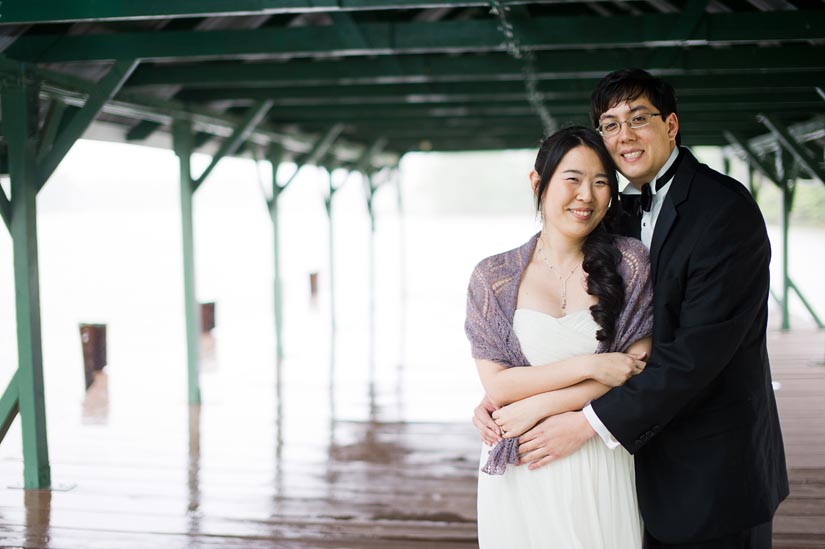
<point>628,85</point>
<point>601,256</point>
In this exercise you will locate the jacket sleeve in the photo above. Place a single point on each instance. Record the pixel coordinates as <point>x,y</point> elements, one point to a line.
<point>725,285</point>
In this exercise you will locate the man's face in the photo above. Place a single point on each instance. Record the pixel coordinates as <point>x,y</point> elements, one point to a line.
<point>640,154</point>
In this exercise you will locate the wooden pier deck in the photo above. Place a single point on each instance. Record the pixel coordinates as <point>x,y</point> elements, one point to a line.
<point>798,363</point>
<point>258,466</point>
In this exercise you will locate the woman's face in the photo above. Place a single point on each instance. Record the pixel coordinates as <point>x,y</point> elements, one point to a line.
<point>578,194</point>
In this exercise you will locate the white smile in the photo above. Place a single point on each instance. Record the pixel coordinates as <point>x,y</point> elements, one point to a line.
<point>582,214</point>
<point>633,155</point>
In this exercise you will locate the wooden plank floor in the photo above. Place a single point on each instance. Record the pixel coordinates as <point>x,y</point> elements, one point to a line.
<point>239,472</point>
<point>797,362</point>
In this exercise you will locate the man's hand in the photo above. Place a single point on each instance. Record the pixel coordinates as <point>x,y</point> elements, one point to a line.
<point>483,421</point>
<point>554,438</point>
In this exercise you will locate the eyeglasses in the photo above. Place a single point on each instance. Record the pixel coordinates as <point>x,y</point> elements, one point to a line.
<point>639,120</point>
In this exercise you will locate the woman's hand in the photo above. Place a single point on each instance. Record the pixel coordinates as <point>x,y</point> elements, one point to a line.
<point>519,417</point>
<point>483,421</point>
<point>614,369</point>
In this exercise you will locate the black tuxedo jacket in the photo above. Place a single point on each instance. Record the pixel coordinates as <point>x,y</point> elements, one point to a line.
<point>701,419</point>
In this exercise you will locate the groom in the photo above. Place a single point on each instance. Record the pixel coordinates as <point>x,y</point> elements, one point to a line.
<point>701,419</point>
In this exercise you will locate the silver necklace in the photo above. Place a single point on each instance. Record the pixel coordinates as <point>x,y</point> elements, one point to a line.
<point>563,279</point>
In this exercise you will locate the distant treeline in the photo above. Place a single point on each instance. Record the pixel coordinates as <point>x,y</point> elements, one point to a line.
<point>808,204</point>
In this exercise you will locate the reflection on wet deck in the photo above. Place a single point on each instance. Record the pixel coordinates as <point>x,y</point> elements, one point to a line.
<point>281,458</point>
<point>274,457</point>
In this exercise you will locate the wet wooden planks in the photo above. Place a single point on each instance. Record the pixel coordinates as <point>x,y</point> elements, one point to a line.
<point>340,484</point>
<point>389,485</point>
<point>797,363</point>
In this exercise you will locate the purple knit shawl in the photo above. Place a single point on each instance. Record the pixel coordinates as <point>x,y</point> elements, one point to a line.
<point>491,305</point>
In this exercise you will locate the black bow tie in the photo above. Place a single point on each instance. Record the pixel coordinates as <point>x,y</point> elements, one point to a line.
<point>646,200</point>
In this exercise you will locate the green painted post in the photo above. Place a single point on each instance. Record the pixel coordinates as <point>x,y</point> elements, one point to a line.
<point>182,142</point>
<point>19,108</point>
<point>753,185</point>
<point>402,257</point>
<point>275,155</point>
<point>788,188</point>
<point>369,191</point>
<point>328,206</point>
<point>9,406</point>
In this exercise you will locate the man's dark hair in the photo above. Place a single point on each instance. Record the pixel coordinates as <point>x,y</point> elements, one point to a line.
<point>628,85</point>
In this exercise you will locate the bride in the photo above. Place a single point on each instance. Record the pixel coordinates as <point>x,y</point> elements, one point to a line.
<point>574,304</point>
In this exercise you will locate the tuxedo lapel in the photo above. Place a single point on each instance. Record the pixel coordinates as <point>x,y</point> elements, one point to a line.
<point>677,194</point>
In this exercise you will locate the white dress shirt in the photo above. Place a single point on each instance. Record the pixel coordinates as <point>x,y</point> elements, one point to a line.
<point>648,224</point>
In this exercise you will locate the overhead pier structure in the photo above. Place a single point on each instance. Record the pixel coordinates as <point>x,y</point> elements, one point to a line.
<point>356,84</point>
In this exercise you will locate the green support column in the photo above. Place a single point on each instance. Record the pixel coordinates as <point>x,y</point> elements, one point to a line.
<point>754,185</point>
<point>275,155</point>
<point>792,157</point>
<point>19,108</point>
<point>182,142</point>
<point>402,249</point>
<point>788,170</point>
<point>788,191</point>
<point>369,193</point>
<point>328,206</point>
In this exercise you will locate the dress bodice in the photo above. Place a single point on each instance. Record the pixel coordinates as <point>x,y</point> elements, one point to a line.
<point>545,338</point>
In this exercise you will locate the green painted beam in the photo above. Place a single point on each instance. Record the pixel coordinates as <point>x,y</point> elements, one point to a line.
<point>449,145</point>
<point>511,24</point>
<point>19,114</point>
<point>399,38</point>
<point>142,130</point>
<point>5,209</point>
<point>105,90</point>
<point>202,138</point>
<point>347,113</point>
<point>146,107</point>
<point>54,121</point>
<point>726,62</point>
<point>348,30</point>
<point>9,406</point>
<point>806,304</point>
<point>319,150</point>
<point>365,162</point>
<point>228,147</point>
<point>689,88</point>
<point>390,124</point>
<point>687,25</point>
<point>750,156</point>
<point>58,11</point>
<point>692,133</point>
<point>493,143</point>
<point>182,142</point>
<point>791,145</point>
<point>507,126</point>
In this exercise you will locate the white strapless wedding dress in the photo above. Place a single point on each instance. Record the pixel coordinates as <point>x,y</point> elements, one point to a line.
<point>584,501</point>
